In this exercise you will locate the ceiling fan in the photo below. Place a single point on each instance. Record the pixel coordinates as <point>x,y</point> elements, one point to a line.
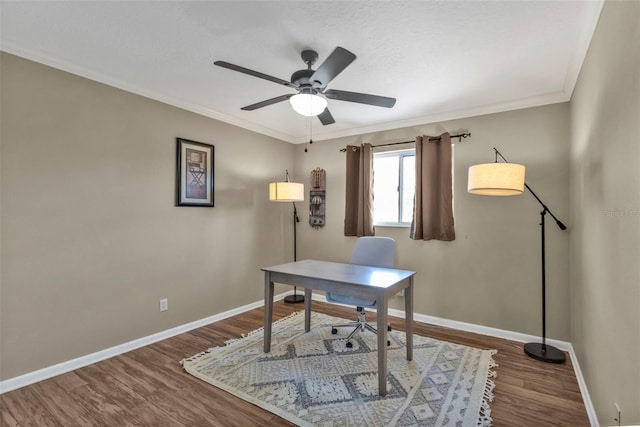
<point>310,84</point>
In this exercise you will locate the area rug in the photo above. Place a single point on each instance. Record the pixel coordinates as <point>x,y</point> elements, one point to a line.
<point>313,379</point>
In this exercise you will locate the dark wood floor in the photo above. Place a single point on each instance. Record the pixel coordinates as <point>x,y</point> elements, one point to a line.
<point>147,387</point>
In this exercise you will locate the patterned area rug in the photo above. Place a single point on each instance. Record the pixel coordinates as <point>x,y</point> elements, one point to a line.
<point>314,379</point>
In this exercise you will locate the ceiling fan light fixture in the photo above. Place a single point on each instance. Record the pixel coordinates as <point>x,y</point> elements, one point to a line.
<point>308,104</point>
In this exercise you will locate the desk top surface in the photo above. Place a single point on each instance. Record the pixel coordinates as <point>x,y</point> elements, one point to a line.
<point>343,273</point>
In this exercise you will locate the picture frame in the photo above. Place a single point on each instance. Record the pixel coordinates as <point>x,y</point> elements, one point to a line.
<point>194,173</point>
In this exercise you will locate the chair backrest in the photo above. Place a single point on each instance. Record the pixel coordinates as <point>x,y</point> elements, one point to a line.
<point>375,251</point>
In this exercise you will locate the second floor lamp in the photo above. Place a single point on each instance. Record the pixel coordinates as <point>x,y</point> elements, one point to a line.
<point>291,192</point>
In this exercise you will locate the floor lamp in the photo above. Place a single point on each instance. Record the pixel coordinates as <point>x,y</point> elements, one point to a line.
<point>507,179</point>
<point>289,192</point>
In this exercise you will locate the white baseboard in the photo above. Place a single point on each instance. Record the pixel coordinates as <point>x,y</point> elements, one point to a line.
<point>70,365</point>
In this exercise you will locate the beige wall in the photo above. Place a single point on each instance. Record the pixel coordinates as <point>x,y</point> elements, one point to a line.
<point>91,237</point>
<point>605,212</point>
<point>1,245</point>
<point>490,275</point>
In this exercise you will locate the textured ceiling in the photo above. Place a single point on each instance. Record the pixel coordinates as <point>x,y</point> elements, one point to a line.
<point>441,60</point>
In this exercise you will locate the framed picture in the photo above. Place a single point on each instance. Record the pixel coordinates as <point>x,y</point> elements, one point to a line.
<point>194,175</point>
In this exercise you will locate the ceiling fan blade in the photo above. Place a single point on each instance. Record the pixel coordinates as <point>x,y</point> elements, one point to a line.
<point>267,102</point>
<point>240,69</point>
<point>325,117</point>
<point>361,98</point>
<point>339,59</point>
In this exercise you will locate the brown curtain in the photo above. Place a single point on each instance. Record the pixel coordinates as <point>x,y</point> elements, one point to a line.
<point>358,215</point>
<point>433,200</point>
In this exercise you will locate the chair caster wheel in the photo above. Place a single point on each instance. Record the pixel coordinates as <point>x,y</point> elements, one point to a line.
<point>389,328</point>
<point>349,345</point>
<point>388,343</point>
<point>334,331</point>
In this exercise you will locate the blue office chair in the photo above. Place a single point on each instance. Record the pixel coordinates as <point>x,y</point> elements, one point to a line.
<point>376,252</point>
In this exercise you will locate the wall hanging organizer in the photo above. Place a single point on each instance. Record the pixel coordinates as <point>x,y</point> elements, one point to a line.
<point>317,198</point>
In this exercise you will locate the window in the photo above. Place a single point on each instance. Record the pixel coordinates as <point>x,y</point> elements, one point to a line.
<point>393,187</point>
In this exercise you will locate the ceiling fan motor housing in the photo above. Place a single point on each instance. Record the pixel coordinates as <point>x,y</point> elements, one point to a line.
<point>301,78</point>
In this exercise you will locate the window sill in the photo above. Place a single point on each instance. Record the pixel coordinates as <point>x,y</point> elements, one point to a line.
<point>392,225</point>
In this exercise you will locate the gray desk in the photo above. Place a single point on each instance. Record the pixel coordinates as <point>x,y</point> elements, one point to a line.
<point>348,279</point>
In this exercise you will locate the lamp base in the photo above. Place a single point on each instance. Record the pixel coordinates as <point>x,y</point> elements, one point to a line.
<point>544,352</point>
<point>294,299</point>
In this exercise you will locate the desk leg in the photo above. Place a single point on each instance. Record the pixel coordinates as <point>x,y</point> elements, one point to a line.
<point>408,317</point>
<point>268,310</point>
<point>307,309</point>
<point>382,345</point>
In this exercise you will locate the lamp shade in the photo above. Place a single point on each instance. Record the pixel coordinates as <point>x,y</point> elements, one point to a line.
<point>496,179</point>
<point>286,192</point>
<point>308,104</point>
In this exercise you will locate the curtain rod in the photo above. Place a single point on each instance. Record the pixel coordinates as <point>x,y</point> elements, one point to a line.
<point>435,138</point>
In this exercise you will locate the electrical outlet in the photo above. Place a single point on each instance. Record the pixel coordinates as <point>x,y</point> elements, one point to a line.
<point>618,417</point>
<point>164,304</point>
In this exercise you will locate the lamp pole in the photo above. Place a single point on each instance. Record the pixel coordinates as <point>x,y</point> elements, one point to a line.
<point>296,220</point>
<point>296,297</point>
<point>542,351</point>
